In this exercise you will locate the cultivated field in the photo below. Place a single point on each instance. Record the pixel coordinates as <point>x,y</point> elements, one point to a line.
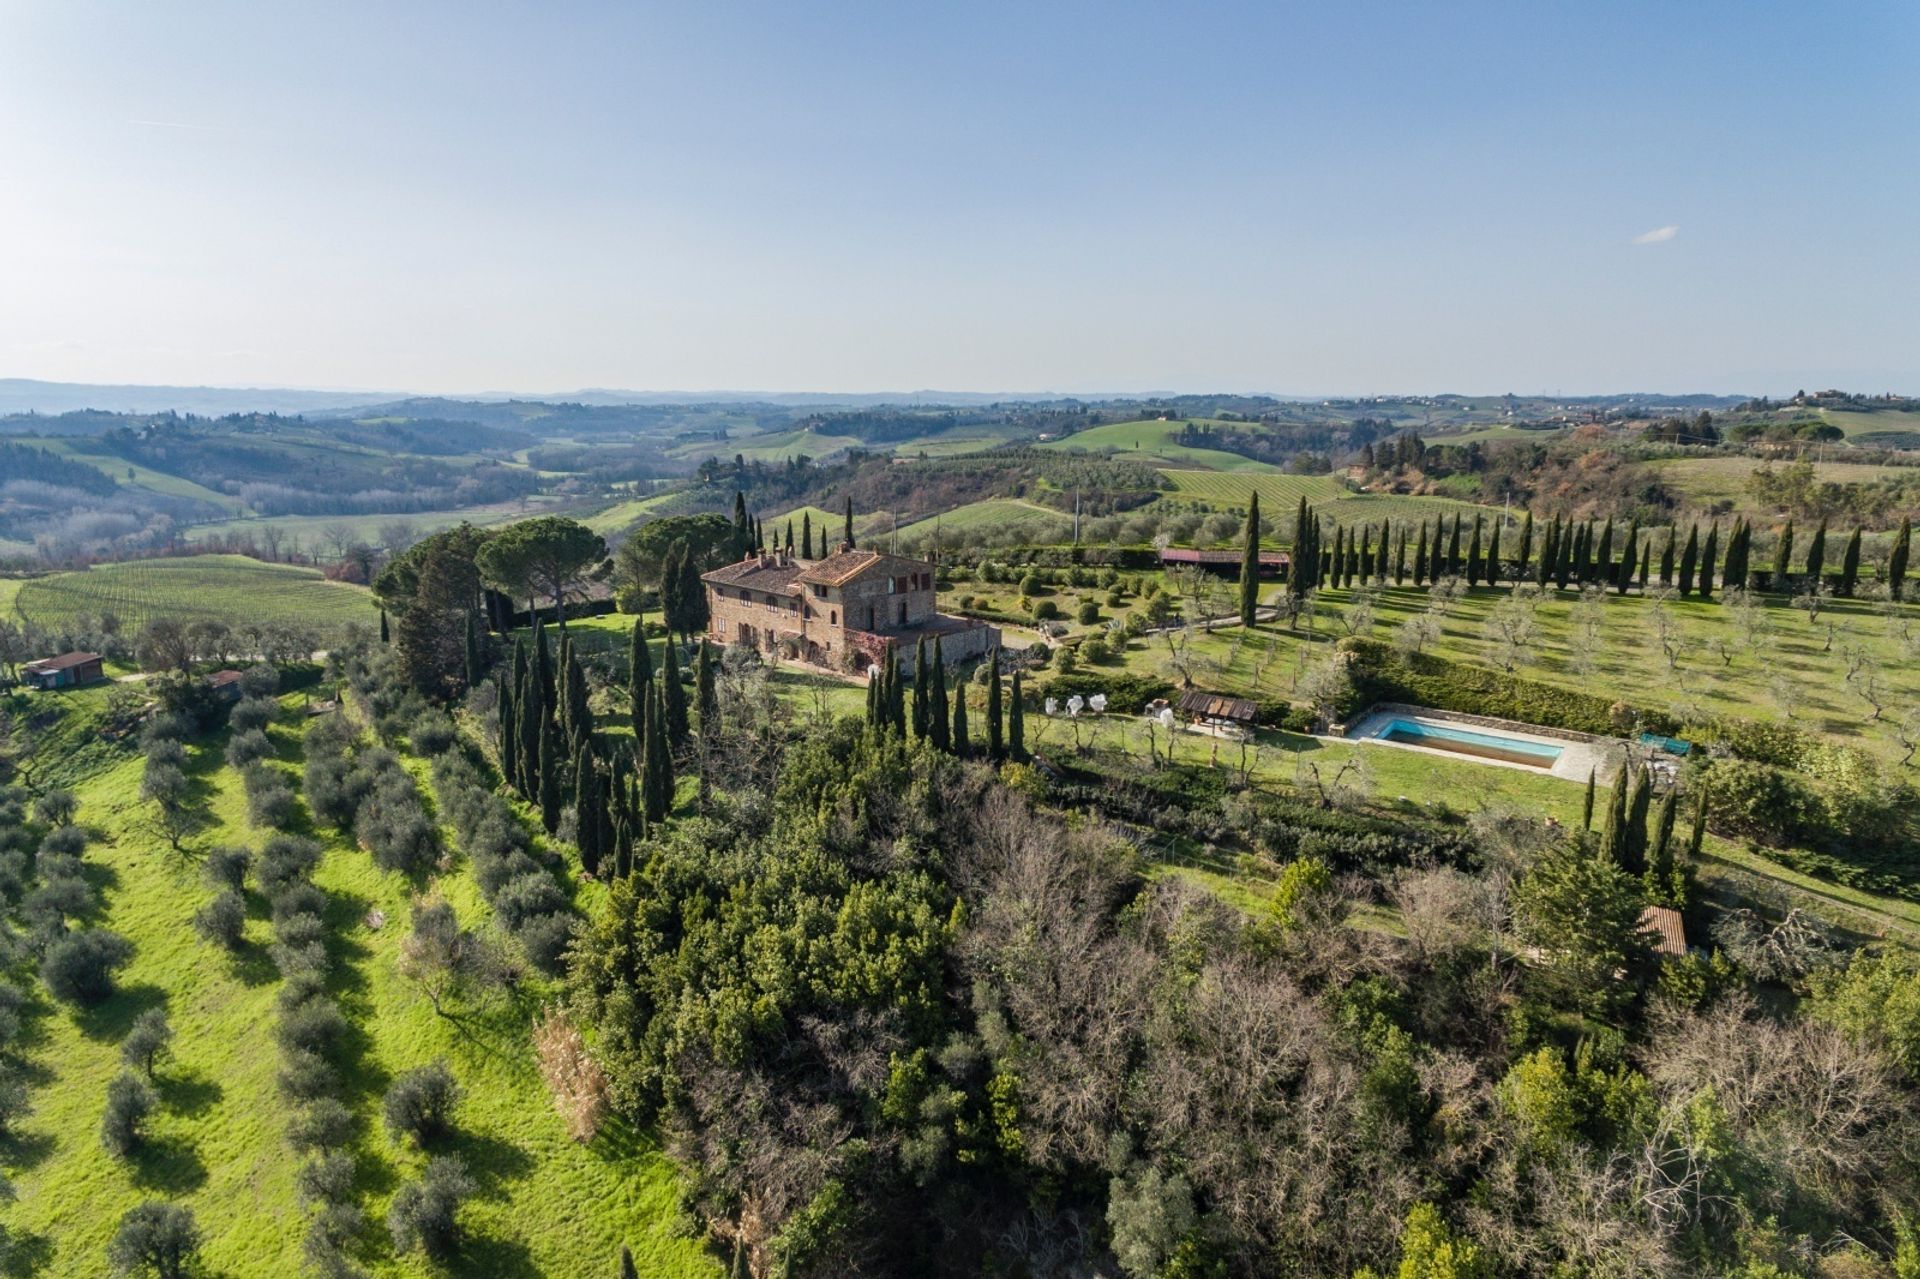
<point>1047,524</point>
<point>316,533</point>
<point>1154,441</point>
<point>1721,482</point>
<point>228,588</point>
<point>1280,496</point>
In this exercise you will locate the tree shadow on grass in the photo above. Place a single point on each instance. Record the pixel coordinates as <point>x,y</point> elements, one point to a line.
<point>188,1093</point>
<point>252,964</point>
<point>169,1164</point>
<point>22,1151</point>
<point>494,1258</point>
<point>109,1020</point>
<point>27,1255</point>
<point>102,880</point>
<point>492,1161</point>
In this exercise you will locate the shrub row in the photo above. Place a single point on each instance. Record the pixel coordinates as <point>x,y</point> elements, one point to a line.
<point>1380,674</point>
<point>525,899</point>
<point>365,790</point>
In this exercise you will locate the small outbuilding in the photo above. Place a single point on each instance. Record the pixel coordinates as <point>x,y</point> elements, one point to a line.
<point>1667,931</point>
<point>69,670</point>
<point>226,685</point>
<point>1218,713</point>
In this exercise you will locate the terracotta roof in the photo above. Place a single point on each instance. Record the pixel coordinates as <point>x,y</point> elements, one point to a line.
<point>844,566</point>
<point>761,576</point>
<point>220,679</point>
<point>63,662</point>
<point>1218,706</point>
<point>1669,931</point>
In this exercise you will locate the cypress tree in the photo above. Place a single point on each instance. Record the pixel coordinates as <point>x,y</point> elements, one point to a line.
<point>1562,560</point>
<point>1850,564</point>
<point>509,744</point>
<point>1586,807</point>
<point>897,695</point>
<point>1606,554</point>
<point>386,635</point>
<point>1629,558</point>
<point>922,714</point>
<point>586,821</point>
<point>1549,546</point>
<point>1493,556</point>
<point>1016,724</point>
<point>1635,841</point>
<point>1708,554</point>
<point>996,751</point>
<point>1613,833</point>
<point>1660,845</point>
<point>1689,559</point>
<point>1473,554</point>
<point>1783,557</point>
<point>806,535</point>
<point>1250,564</point>
<point>1420,557</point>
<point>873,698</point>
<point>703,686</point>
<point>1339,555</point>
<point>1521,562</point>
<point>1817,555</point>
<point>579,715</point>
<point>531,717</point>
<point>639,677</point>
<point>847,526</point>
<point>1400,557</point>
<point>1646,555</point>
<point>961,746</point>
<point>1438,568</point>
<point>939,711</point>
<point>1897,559</point>
<point>552,753</point>
<point>789,535</point>
<point>1666,558</point>
<point>1302,545</point>
<point>1366,554</point>
<point>543,666</point>
<point>742,532</point>
<point>472,652</point>
<point>674,696</point>
<point>1453,548</point>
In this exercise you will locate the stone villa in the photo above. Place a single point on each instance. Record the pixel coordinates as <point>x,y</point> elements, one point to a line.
<point>842,612</point>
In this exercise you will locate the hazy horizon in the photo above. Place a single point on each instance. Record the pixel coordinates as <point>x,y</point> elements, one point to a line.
<point>866,199</point>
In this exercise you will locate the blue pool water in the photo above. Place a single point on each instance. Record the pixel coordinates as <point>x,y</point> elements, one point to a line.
<point>1465,741</point>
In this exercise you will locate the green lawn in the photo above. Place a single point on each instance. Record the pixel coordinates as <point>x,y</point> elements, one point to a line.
<point>547,1206</point>
<point>1153,440</point>
<point>228,588</point>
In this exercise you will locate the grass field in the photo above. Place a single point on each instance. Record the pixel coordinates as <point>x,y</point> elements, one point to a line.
<point>1857,424</point>
<point>1153,441</point>
<point>227,588</point>
<point>776,446</point>
<point>122,471</point>
<point>615,519</point>
<point>1706,482</point>
<point>1280,496</point>
<point>547,1206</point>
<point>313,533</point>
<point>999,512</point>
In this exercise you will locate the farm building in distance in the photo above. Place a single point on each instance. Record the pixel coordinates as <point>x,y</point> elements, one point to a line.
<point>1226,563</point>
<point>842,612</point>
<point>69,670</point>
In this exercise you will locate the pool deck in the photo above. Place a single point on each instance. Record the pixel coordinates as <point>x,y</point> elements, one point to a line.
<point>1579,755</point>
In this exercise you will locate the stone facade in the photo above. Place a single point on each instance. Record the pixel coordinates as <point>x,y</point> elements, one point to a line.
<point>843,612</point>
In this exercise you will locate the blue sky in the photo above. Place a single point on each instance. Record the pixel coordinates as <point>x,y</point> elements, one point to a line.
<point>1315,199</point>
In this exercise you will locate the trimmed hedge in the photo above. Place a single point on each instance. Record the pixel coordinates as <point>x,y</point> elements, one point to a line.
<point>1380,674</point>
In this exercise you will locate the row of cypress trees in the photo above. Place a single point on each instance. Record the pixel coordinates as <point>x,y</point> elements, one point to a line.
<point>894,705</point>
<point>1638,836</point>
<point>1570,553</point>
<point>550,753</point>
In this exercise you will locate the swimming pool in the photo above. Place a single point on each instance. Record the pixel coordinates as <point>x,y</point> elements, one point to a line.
<point>1463,741</point>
